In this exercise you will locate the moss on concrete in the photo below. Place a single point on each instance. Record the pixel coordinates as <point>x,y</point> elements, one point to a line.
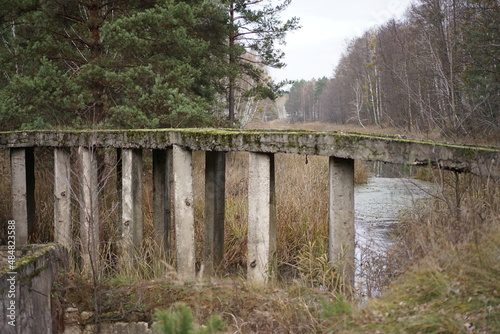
<point>387,148</point>
<point>224,134</point>
<point>31,254</point>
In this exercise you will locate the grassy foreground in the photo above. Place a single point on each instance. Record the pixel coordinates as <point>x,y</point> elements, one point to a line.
<point>455,292</point>
<point>458,291</point>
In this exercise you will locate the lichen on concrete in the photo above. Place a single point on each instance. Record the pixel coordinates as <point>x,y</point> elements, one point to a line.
<point>386,148</point>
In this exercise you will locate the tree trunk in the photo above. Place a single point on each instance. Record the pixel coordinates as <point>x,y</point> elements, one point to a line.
<point>96,111</point>
<point>231,63</point>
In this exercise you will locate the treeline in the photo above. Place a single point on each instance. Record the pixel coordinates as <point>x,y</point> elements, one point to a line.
<point>134,63</point>
<point>438,68</point>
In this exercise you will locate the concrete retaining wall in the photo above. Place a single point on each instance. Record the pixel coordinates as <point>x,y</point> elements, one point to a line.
<point>25,287</point>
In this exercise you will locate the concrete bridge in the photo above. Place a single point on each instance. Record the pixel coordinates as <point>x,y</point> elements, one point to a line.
<point>171,151</point>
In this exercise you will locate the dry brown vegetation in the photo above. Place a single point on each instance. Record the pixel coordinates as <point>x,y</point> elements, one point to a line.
<point>279,124</point>
<point>443,269</point>
<point>445,265</point>
<point>490,139</point>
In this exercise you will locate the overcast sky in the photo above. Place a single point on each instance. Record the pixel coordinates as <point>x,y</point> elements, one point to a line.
<point>327,25</point>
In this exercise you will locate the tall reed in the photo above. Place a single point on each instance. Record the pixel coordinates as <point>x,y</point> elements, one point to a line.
<point>465,207</point>
<point>302,212</point>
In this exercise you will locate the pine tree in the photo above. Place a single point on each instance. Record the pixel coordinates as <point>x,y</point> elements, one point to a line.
<point>255,29</point>
<point>110,63</point>
<point>482,73</point>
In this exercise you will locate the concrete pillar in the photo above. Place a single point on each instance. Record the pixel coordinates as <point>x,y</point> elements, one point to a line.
<point>341,218</point>
<point>62,197</point>
<point>162,167</point>
<point>89,208</point>
<point>261,217</point>
<point>119,179</point>
<point>184,213</point>
<point>132,222</point>
<point>215,187</point>
<point>22,166</point>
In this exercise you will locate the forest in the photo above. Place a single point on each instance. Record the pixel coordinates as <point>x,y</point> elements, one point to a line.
<point>135,64</point>
<point>436,69</point>
<point>170,63</point>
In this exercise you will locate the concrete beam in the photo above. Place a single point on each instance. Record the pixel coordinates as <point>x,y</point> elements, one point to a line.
<point>341,218</point>
<point>162,170</point>
<point>22,167</point>
<point>89,208</point>
<point>62,197</point>
<point>215,187</point>
<point>184,213</point>
<point>132,222</point>
<point>482,161</point>
<point>261,217</point>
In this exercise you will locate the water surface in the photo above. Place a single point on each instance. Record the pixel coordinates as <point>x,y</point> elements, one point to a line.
<point>379,205</point>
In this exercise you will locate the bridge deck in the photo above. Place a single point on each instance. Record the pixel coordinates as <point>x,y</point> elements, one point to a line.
<point>484,161</point>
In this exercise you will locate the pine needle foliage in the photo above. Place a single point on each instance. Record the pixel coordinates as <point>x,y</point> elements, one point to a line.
<point>181,321</point>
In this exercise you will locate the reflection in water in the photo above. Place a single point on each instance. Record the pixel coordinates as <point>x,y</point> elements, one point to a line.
<point>378,205</point>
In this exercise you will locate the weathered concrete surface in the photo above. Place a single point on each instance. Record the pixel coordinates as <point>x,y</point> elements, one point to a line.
<point>132,221</point>
<point>184,213</point>
<point>261,217</point>
<point>62,197</point>
<point>484,161</point>
<point>22,162</point>
<point>341,217</point>
<point>89,208</point>
<point>26,288</point>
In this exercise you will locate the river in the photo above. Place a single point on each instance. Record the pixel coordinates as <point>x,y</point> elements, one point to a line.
<point>379,205</point>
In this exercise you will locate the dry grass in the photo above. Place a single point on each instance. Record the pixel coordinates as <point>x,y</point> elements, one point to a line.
<point>448,249</point>
<point>463,207</point>
<point>433,135</point>
<point>302,210</point>
<point>450,277</point>
<point>302,216</point>
<point>453,289</point>
<point>245,308</point>
<point>446,261</point>
<point>302,213</point>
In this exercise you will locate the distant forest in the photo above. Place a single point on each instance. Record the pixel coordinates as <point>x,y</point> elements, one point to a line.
<point>438,68</point>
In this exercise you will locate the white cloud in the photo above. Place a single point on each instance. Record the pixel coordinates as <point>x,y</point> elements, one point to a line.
<point>314,50</point>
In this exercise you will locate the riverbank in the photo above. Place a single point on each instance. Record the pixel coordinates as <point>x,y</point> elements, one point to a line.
<point>442,278</point>
<point>444,264</point>
<point>457,292</point>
